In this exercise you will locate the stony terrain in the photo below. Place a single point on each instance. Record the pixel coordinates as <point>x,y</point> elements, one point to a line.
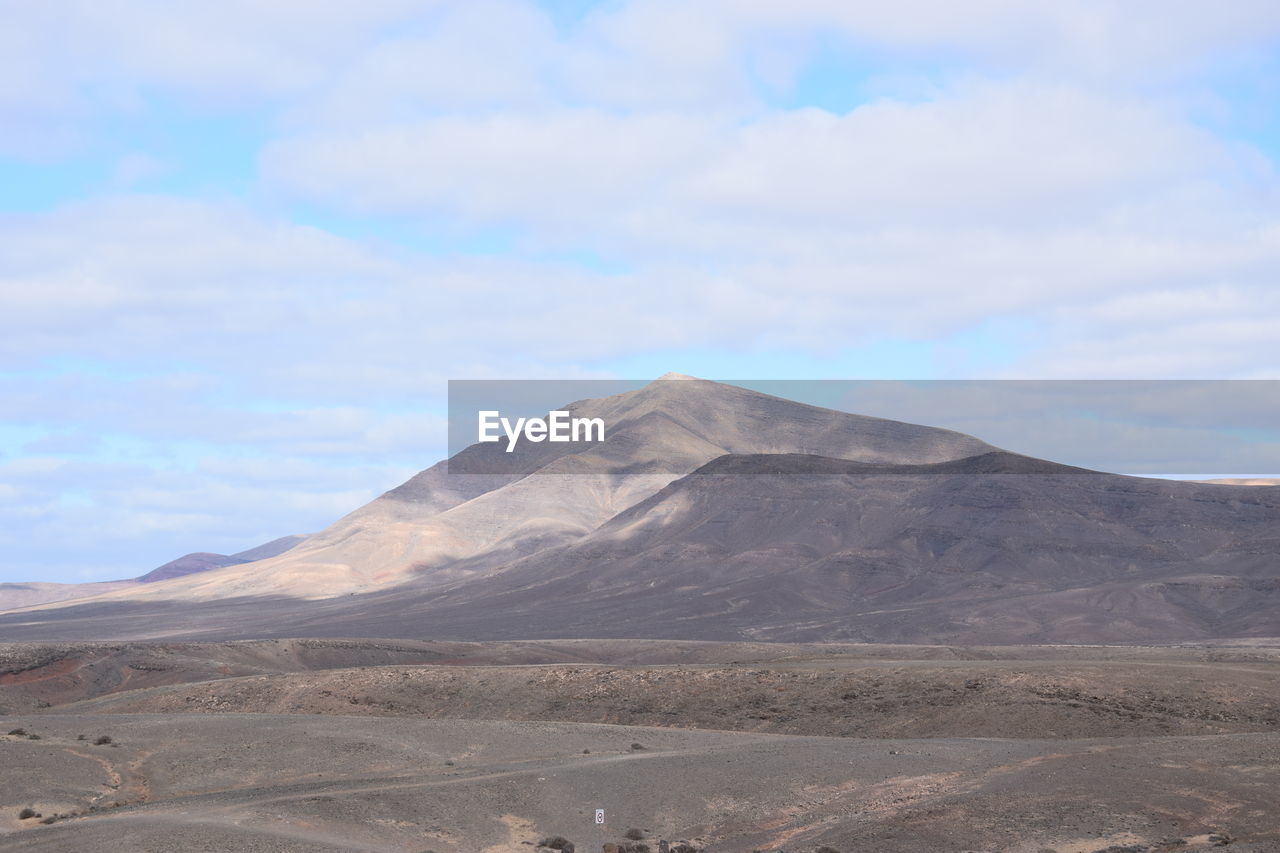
<point>383,745</point>
<point>884,699</point>
<point>286,783</point>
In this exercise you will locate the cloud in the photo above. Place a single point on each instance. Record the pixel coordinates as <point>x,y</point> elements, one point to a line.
<point>66,64</point>
<point>386,58</point>
<point>562,169</point>
<point>1071,172</point>
<point>464,57</point>
<point>1013,156</point>
<point>1099,39</point>
<point>800,228</point>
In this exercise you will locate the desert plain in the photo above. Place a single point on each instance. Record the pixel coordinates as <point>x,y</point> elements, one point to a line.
<point>363,745</point>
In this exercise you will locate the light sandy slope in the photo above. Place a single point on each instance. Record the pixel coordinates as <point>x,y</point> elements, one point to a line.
<point>17,595</point>
<point>441,526</point>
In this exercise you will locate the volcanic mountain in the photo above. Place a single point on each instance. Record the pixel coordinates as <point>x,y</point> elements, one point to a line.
<point>715,512</point>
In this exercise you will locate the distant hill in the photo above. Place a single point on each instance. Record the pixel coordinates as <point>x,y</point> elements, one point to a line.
<point>203,561</point>
<point>189,564</point>
<point>30,594</point>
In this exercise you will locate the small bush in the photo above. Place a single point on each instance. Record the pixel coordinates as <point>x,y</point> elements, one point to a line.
<point>103,740</point>
<point>33,737</point>
<point>557,842</point>
<point>27,814</point>
<point>18,732</point>
<point>82,737</point>
<point>633,834</point>
<point>635,747</point>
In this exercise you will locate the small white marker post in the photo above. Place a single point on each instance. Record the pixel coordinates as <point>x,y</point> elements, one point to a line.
<point>599,817</point>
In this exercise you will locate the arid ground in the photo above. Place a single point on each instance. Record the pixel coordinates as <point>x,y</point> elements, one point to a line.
<point>308,745</point>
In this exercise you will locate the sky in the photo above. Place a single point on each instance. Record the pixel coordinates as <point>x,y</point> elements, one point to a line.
<point>244,244</point>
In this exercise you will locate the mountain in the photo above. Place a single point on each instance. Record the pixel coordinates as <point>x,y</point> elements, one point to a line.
<point>441,527</point>
<point>715,512</point>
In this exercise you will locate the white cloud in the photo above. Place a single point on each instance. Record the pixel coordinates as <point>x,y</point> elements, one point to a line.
<point>65,63</point>
<point>351,60</point>
<point>984,155</point>
<point>803,228</point>
<point>1100,39</point>
<point>1044,170</point>
<point>563,168</point>
<point>468,57</point>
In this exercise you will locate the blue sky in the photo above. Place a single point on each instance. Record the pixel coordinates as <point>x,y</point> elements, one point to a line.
<point>244,245</point>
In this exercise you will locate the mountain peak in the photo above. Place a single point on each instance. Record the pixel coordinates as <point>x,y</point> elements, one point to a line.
<point>673,375</point>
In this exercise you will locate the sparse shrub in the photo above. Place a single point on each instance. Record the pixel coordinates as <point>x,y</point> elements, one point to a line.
<point>826,849</point>
<point>682,847</point>
<point>33,737</point>
<point>586,752</point>
<point>635,847</point>
<point>636,747</point>
<point>448,763</point>
<point>82,737</point>
<point>18,732</point>
<point>557,842</point>
<point>51,818</point>
<point>27,814</point>
<point>103,740</point>
<point>633,834</point>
